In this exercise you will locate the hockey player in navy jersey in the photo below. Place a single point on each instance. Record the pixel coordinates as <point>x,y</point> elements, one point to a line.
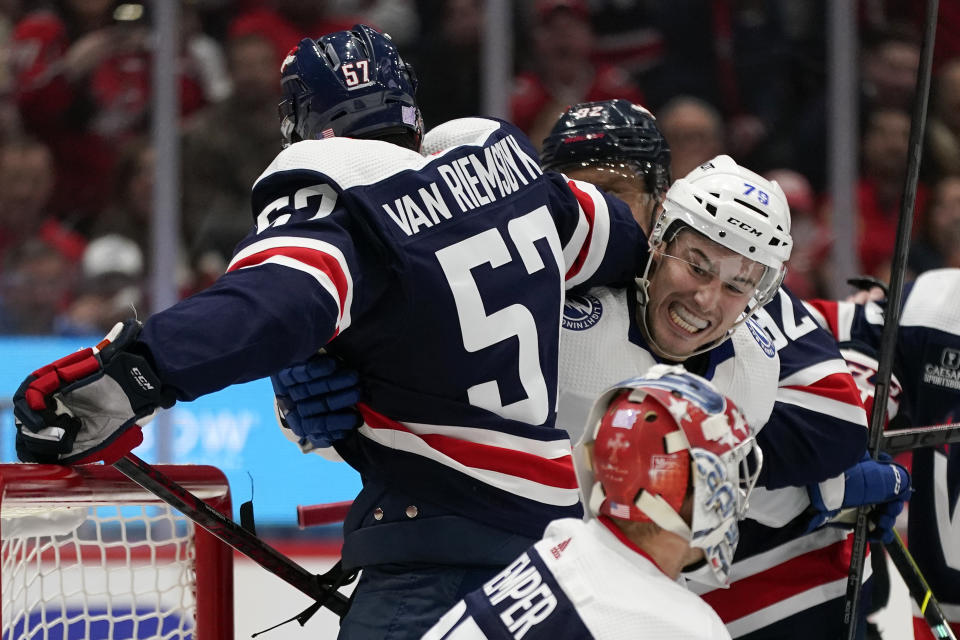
<point>925,392</point>
<point>671,466</point>
<point>804,394</point>
<point>440,276</point>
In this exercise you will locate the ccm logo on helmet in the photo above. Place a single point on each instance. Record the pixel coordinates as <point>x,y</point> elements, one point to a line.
<point>746,227</point>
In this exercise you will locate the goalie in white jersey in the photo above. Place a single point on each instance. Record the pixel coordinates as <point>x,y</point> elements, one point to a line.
<point>668,466</point>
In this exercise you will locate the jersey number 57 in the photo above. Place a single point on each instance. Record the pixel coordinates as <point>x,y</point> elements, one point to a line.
<point>480,330</point>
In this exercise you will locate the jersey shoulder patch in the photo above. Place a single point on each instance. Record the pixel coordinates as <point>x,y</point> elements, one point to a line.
<point>761,337</point>
<point>581,312</point>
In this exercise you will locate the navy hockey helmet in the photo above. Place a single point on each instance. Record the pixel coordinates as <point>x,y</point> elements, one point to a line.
<point>611,131</point>
<point>349,83</point>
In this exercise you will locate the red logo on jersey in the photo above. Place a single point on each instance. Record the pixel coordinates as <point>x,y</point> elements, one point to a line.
<point>557,550</point>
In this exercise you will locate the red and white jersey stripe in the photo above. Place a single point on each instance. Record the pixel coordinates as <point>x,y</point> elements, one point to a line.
<point>784,581</point>
<point>321,260</point>
<point>540,470</point>
<point>584,252</point>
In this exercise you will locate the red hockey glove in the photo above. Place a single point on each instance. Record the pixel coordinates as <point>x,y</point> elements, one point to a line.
<point>89,406</point>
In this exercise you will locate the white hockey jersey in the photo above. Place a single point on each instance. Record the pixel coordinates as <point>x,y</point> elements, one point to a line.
<point>601,345</point>
<point>582,580</point>
<point>785,374</point>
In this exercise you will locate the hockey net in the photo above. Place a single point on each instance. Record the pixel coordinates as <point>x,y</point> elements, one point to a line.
<point>88,553</point>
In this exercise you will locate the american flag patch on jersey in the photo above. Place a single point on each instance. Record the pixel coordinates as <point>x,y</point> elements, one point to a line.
<point>620,510</point>
<point>327,133</point>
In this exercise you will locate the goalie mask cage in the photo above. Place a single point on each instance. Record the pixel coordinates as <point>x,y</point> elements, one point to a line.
<point>88,553</point>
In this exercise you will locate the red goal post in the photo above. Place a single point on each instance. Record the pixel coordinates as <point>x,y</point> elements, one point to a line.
<point>87,551</point>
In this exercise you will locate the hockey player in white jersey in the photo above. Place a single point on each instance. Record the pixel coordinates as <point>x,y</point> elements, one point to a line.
<point>718,249</point>
<point>786,375</point>
<point>669,465</point>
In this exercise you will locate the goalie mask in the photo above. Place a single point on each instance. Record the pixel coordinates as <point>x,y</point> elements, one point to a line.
<point>657,440</point>
<point>732,207</point>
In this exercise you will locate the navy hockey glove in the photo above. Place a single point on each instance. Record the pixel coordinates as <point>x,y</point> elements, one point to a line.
<point>315,401</point>
<point>88,406</point>
<point>882,483</point>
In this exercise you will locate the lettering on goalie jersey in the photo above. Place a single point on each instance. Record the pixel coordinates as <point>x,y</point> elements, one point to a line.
<point>520,596</point>
<point>525,601</point>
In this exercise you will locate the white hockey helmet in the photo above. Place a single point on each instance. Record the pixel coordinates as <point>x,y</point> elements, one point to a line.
<point>736,208</point>
<point>652,441</point>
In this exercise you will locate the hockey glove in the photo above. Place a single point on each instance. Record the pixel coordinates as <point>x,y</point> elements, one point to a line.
<point>89,406</point>
<point>881,483</point>
<point>315,401</point>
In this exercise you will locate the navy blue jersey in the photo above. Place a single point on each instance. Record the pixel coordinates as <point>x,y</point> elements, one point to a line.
<point>927,392</point>
<point>815,431</point>
<point>817,428</point>
<point>441,279</point>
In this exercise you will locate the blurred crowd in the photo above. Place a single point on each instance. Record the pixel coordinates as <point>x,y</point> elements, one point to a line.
<point>743,77</point>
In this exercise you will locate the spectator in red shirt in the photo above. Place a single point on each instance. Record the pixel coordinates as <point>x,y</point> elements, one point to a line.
<point>808,269</point>
<point>562,72</point>
<point>883,169</point>
<point>82,83</point>
<point>287,22</point>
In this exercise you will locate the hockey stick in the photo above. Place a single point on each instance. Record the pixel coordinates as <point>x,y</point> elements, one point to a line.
<point>317,514</point>
<point>891,322</point>
<point>231,533</point>
<point>900,440</point>
<point>919,589</point>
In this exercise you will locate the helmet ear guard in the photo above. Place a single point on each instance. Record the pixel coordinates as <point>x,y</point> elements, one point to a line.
<point>653,441</point>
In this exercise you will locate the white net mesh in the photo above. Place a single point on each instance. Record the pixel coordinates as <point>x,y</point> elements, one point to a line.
<point>117,572</point>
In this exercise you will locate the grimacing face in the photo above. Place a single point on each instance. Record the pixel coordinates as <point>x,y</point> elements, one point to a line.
<point>621,182</point>
<point>698,289</point>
